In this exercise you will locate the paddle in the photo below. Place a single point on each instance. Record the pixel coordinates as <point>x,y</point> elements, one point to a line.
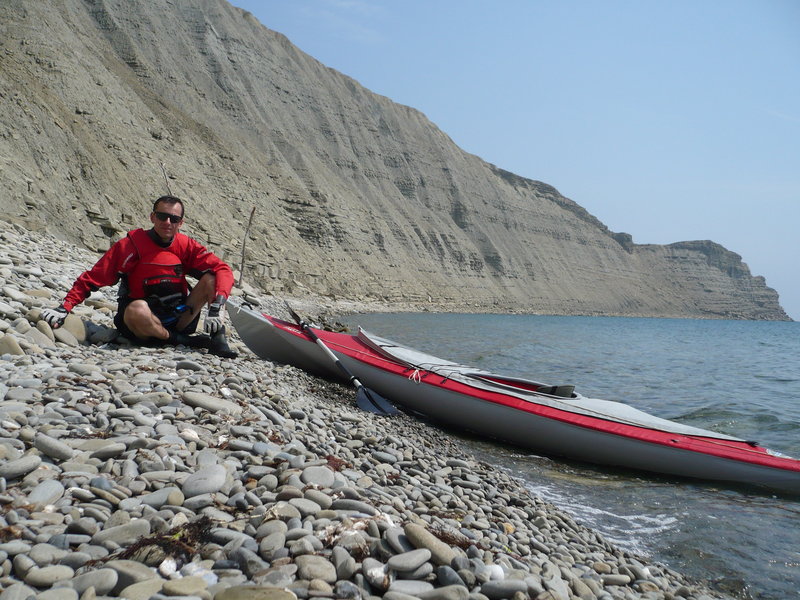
<point>366,398</point>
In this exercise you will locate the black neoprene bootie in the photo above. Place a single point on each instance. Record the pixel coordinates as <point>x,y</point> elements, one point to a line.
<point>191,341</point>
<point>219,345</point>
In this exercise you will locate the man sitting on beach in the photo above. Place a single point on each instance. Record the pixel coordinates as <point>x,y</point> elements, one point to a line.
<point>156,303</point>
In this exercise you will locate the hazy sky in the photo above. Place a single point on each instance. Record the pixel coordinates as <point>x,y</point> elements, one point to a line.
<point>672,120</point>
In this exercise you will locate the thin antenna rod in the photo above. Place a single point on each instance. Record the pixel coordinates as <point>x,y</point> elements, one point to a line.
<point>166,179</point>
<point>244,243</point>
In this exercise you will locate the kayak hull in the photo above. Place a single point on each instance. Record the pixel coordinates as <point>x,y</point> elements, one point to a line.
<point>519,419</point>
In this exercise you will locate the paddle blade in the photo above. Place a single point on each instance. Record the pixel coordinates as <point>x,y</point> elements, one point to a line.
<point>367,399</point>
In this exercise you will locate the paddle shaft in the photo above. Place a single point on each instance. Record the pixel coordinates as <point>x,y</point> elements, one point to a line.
<point>350,377</point>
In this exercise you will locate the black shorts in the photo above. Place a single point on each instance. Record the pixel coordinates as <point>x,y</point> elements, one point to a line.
<point>166,315</point>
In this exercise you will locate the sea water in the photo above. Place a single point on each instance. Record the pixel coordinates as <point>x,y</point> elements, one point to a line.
<point>736,377</point>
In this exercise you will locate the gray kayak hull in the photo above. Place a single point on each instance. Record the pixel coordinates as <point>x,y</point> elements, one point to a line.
<point>548,431</point>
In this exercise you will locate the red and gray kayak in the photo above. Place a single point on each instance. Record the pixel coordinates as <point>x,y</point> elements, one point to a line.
<point>554,420</point>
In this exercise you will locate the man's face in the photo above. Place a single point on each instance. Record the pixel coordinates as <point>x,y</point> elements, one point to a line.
<point>162,219</point>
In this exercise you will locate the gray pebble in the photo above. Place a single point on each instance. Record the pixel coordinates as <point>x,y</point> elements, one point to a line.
<point>46,576</point>
<point>47,492</point>
<point>207,480</point>
<point>441,553</point>
<point>83,526</point>
<point>305,506</point>
<point>123,535</point>
<point>410,587</point>
<point>60,593</point>
<point>318,475</point>
<point>18,591</point>
<point>211,403</point>
<point>409,561</point>
<point>102,580</point>
<point>13,469</point>
<point>447,592</point>
<point>496,590</point>
<point>52,447</point>
<point>616,579</point>
<point>315,567</point>
<point>353,505</point>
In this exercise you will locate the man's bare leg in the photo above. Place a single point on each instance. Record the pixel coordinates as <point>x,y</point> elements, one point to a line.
<point>143,323</point>
<point>201,295</point>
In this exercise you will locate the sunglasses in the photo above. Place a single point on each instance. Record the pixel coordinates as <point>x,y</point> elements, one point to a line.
<point>162,216</point>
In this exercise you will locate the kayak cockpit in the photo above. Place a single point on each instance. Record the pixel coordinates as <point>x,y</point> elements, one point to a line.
<point>561,391</point>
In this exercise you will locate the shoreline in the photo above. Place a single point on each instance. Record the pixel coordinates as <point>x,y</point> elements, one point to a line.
<point>324,307</point>
<point>106,448</point>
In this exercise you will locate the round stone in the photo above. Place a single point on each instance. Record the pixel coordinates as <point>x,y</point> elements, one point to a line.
<point>45,577</point>
<point>318,475</point>
<point>497,590</point>
<point>123,535</point>
<point>254,593</point>
<point>52,447</point>
<point>22,466</point>
<point>271,544</point>
<point>102,580</point>
<point>207,480</point>
<point>410,587</point>
<point>441,553</point>
<point>211,403</point>
<point>185,586</point>
<point>354,505</point>
<point>310,567</point>
<point>409,561</point>
<point>305,507</point>
<point>47,492</point>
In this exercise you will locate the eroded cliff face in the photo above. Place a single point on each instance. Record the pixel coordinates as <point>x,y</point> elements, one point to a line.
<point>355,195</point>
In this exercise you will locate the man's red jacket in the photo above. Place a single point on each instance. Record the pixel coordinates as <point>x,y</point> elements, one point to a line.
<point>123,256</point>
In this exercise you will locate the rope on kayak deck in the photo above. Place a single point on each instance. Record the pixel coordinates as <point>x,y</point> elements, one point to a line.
<point>418,372</point>
<point>416,376</point>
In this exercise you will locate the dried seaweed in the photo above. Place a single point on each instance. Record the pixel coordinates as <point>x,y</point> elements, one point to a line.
<point>99,434</point>
<point>5,508</point>
<point>181,542</point>
<point>336,463</point>
<point>453,538</point>
<point>456,515</point>
<point>10,533</point>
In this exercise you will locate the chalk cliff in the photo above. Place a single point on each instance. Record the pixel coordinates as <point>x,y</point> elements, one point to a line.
<point>355,195</point>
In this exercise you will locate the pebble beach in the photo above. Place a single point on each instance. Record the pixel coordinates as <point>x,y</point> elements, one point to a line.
<point>150,473</point>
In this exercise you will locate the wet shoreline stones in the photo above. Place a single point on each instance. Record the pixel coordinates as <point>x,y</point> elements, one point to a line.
<point>170,473</point>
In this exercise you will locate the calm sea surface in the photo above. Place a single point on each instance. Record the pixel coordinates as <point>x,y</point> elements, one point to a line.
<point>738,377</point>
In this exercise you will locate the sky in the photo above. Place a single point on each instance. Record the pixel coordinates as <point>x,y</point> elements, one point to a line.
<point>670,120</point>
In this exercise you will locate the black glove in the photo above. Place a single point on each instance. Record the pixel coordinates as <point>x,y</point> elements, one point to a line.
<point>55,316</point>
<point>215,315</point>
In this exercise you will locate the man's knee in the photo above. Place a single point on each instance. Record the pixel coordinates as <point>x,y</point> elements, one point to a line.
<point>206,287</point>
<point>137,313</point>
<point>208,280</point>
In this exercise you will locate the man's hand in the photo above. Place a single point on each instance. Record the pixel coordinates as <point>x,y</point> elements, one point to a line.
<point>215,315</point>
<point>55,316</point>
